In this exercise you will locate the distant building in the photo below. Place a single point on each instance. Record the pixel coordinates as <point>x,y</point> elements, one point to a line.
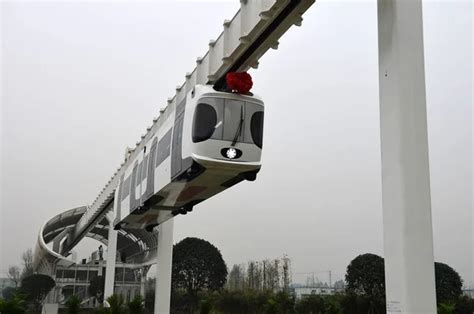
<point>5,283</point>
<point>136,252</point>
<point>74,279</point>
<point>305,291</point>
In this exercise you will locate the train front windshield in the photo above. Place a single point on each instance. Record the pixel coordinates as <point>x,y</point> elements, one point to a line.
<point>228,120</point>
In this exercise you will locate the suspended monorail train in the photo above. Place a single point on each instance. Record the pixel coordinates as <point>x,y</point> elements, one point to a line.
<point>207,143</point>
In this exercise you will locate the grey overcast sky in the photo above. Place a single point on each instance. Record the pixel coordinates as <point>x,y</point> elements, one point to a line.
<point>82,80</point>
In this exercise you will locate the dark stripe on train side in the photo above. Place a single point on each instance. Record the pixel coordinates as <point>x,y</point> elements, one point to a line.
<point>164,148</point>
<point>133,201</point>
<point>150,182</point>
<point>176,149</point>
<point>119,197</point>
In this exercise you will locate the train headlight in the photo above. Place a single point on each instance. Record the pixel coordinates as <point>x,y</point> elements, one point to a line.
<point>231,153</point>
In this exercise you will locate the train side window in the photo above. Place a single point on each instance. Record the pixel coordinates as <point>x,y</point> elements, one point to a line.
<point>256,128</point>
<point>204,121</point>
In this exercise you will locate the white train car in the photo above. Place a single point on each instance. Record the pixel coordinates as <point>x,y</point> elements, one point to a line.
<point>208,142</point>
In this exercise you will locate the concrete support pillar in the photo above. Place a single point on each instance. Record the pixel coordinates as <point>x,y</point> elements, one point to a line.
<point>408,238</point>
<point>143,273</point>
<point>111,258</point>
<point>163,267</point>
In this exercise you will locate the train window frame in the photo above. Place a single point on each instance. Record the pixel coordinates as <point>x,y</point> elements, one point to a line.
<point>235,107</point>
<point>204,122</point>
<point>250,109</point>
<point>219,105</point>
<point>257,141</point>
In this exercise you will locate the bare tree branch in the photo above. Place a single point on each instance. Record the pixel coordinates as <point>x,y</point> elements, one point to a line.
<point>14,274</point>
<point>27,258</point>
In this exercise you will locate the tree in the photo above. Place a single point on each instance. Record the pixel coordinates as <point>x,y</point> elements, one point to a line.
<point>36,287</point>
<point>253,275</point>
<point>448,284</point>
<point>197,265</point>
<point>272,275</point>
<point>236,279</point>
<point>14,274</point>
<point>27,258</point>
<point>286,273</point>
<point>339,285</point>
<point>365,276</point>
<point>96,288</point>
<point>265,275</point>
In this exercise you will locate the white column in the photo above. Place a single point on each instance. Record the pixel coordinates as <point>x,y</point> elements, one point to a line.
<point>408,238</point>
<point>111,258</point>
<point>163,267</point>
<point>143,272</point>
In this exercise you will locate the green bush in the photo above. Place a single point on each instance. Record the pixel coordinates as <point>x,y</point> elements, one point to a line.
<point>73,305</point>
<point>205,307</point>
<point>183,302</point>
<point>232,302</point>
<point>136,306</point>
<point>310,305</point>
<point>251,302</point>
<point>16,305</point>
<point>327,304</point>
<point>359,304</point>
<point>446,308</point>
<point>332,304</point>
<point>285,302</point>
<point>116,304</point>
<point>464,305</point>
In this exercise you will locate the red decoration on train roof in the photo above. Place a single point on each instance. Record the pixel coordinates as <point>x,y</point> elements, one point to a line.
<point>240,82</point>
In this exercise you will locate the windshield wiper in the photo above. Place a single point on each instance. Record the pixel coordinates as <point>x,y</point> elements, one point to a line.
<point>239,129</point>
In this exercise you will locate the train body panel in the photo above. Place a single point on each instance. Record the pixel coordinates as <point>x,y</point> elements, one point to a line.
<point>210,142</point>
